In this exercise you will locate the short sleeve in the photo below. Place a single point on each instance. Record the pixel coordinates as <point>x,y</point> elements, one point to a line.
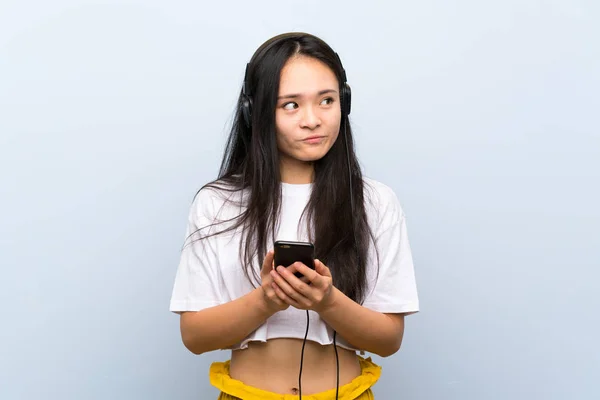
<point>393,287</point>
<point>197,279</point>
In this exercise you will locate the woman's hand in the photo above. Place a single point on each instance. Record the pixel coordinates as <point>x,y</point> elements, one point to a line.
<point>312,292</point>
<point>272,301</point>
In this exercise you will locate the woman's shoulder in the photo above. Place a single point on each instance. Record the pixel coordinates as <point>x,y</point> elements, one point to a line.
<point>380,195</point>
<point>216,200</point>
<point>381,202</point>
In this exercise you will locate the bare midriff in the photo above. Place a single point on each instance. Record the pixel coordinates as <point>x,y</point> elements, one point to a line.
<point>274,366</point>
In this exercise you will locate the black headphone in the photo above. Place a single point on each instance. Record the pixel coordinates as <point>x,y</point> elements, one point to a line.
<point>246,101</point>
<point>345,96</point>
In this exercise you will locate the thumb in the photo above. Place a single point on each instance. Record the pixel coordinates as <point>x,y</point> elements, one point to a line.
<point>268,262</point>
<point>322,268</point>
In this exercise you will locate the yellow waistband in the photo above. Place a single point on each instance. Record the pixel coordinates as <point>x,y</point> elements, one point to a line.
<point>220,378</point>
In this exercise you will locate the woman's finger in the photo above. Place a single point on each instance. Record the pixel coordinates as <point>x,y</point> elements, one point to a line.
<point>312,276</point>
<point>267,263</point>
<point>283,296</point>
<point>284,284</point>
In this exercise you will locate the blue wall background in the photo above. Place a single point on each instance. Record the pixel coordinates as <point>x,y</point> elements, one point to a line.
<point>483,117</point>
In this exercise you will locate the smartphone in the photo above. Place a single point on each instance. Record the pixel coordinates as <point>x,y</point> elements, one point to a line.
<point>287,253</point>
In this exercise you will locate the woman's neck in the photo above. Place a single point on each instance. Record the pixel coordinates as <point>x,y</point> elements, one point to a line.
<point>296,172</point>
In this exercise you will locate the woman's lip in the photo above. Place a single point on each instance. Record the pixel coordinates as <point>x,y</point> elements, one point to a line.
<point>312,138</point>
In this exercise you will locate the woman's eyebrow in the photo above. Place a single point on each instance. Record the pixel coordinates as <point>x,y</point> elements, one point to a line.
<point>293,96</point>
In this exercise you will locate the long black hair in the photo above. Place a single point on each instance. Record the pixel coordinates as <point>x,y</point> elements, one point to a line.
<point>337,224</point>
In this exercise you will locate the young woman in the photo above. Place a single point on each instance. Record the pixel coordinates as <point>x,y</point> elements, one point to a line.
<point>290,173</point>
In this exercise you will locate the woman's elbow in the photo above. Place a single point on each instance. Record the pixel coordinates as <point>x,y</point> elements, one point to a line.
<point>191,344</point>
<point>189,337</point>
<point>396,334</point>
<point>193,347</point>
<point>390,350</point>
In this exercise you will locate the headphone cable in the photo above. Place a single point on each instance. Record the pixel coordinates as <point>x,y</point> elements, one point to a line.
<point>337,361</point>
<point>302,357</point>
<point>337,364</point>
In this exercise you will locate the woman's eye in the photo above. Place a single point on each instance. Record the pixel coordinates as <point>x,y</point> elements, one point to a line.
<point>290,106</point>
<point>327,101</point>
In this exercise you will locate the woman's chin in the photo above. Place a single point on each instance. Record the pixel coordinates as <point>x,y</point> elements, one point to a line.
<point>312,155</point>
<point>305,155</point>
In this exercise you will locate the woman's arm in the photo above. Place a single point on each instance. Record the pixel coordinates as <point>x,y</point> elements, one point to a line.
<point>365,329</point>
<point>224,325</point>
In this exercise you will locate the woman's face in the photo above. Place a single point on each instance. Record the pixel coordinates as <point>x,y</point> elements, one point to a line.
<point>308,114</point>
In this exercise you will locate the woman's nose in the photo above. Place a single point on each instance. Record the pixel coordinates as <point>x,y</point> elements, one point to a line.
<point>310,118</point>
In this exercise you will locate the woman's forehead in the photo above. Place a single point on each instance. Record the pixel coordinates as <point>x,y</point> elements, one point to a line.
<point>306,75</point>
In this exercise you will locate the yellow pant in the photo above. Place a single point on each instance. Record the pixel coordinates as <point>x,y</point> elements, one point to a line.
<point>231,389</point>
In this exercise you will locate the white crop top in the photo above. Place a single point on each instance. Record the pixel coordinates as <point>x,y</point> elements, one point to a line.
<point>210,272</point>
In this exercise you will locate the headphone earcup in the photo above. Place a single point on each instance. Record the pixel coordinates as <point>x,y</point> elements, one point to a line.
<point>247,110</point>
<point>346,99</point>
